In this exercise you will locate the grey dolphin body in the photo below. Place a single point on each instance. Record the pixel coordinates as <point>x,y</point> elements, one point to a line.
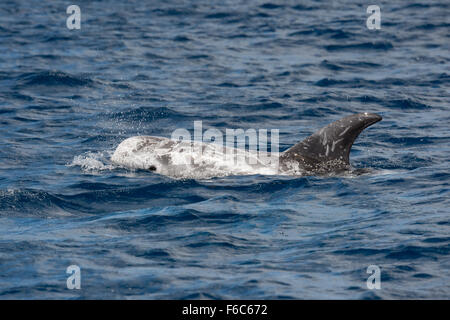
<point>328,149</point>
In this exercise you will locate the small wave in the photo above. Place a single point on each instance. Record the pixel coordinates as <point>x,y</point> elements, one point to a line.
<point>418,252</point>
<point>361,83</point>
<point>154,56</point>
<point>28,202</point>
<point>414,141</point>
<point>407,104</point>
<point>301,7</point>
<point>431,26</point>
<point>405,162</point>
<point>174,12</point>
<point>265,104</point>
<point>228,85</point>
<point>219,15</point>
<point>326,32</point>
<point>385,45</point>
<point>327,82</point>
<point>345,65</point>
<point>270,6</point>
<point>153,220</point>
<point>58,38</point>
<point>197,56</point>
<point>182,38</point>
<point>53,78</point>
<point>354,83</point>
<point>384,172</point>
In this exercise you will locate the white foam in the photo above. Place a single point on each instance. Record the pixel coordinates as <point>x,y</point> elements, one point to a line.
<point>93,161</point>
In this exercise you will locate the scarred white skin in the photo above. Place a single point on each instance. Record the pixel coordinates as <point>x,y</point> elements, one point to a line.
<point>180,159</point>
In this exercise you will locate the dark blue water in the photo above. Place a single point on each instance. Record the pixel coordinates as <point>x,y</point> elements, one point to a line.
<point>69,97</point>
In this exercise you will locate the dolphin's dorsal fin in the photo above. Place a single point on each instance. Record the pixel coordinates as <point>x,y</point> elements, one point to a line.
<point>333,142</point>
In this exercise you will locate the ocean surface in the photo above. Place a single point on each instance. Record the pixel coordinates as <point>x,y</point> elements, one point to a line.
<point>69,97</point>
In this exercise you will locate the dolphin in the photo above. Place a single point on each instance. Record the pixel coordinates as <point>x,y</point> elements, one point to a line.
<point>327,151</point>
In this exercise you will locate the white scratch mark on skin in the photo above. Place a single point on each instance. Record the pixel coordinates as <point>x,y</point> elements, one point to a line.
<point>324,142</point>
<point>343,132</point>
<point>335,143</point>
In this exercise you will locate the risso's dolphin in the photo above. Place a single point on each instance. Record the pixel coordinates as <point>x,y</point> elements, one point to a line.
<point>325,152</point>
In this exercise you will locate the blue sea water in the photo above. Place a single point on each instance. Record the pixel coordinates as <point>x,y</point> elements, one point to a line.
<point>69,97</point>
